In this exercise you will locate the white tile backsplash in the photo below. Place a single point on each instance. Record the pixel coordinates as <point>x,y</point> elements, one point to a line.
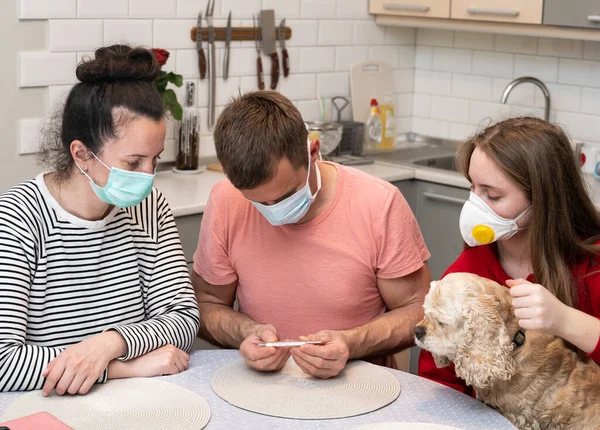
<point>318,9</point>
<point>515,44</point>
<point>590,100</point>
<point>543,68</point>
<point>333,84</point>
<point>348,55</point>
<point>57,95</point>
<point>469,40</point>
<point>152,8</point>
<point>432,37</point>
<point>368,33</point>
<point>133,32</point>
<point>46,9</point>
<point>66,35</point>
<point>174,33</point>
<point>493,64</point>
<point>566,48</point>
<point>304,33</point>
<point>335,33</point>
<point>41,68</point>
<point>428,82</point>
<point>320,59</point>
<point>29,135</point>
<point>352,9</point>
<point>471,87</point>
<point>447,83</point>
<point>102,9</point>
<point>451,60</point>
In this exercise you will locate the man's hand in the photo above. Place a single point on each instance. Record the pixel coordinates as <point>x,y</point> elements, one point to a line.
<point>323,361</point>
<point>263,358</point>
<point>166,360</point>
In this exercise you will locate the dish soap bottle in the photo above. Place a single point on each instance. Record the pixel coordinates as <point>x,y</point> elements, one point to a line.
<point>388,122</point>
<point>374,127</point>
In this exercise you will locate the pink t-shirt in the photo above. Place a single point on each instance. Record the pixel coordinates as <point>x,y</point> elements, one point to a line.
<point>319,275</point>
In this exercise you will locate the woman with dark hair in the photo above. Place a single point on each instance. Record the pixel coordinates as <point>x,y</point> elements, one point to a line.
<point>93,280</point>
<point>530,224</point>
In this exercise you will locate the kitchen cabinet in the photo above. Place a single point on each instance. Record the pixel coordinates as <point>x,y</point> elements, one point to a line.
<point>421,8</point>
<point>518,11</point>
<point>437,209</point>
<point>438,212</point>
<point>189,230</point>
<point>573,13</point>
<point>409,190</point>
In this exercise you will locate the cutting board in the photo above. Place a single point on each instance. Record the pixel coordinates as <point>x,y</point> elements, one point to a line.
<point>369,80</point>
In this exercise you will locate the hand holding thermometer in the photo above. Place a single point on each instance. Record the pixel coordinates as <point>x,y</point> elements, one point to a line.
<point>291,343</point>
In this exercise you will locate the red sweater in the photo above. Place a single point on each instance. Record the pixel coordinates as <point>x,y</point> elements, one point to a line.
<point>482,261</point>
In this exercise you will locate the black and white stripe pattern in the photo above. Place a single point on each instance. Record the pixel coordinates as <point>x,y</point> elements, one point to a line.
<point>63,280</point>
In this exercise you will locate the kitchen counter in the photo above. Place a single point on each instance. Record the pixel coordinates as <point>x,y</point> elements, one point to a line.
<point>188,194</point>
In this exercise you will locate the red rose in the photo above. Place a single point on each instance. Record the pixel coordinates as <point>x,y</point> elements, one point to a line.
<point>161,55</point>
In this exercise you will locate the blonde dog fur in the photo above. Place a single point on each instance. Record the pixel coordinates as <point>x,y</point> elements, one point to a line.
<point>469,320</point>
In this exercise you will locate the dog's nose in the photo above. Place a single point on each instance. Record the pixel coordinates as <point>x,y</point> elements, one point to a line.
<point>420,332</point>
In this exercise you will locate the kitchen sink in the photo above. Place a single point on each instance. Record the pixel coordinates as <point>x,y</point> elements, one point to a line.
<point>443,162</point>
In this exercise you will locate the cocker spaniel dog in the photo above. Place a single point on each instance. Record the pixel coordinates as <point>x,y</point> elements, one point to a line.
<point>531,378</point>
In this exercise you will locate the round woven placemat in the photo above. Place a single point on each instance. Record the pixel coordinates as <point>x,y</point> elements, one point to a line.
<point>132,404</point>
<point>361,388</point>
<point>404,426</point>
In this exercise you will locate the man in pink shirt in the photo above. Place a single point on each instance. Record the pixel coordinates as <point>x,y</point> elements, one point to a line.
<point>312,250</point>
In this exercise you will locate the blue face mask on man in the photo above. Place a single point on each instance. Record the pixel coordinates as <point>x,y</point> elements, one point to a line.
<point>123,188</point>
<point>292,209</point>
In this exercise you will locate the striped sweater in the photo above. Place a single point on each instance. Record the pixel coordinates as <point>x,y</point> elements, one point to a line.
<point>63,279</point>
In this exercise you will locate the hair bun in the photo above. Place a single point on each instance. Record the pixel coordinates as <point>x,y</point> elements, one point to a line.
<point>118,63</point>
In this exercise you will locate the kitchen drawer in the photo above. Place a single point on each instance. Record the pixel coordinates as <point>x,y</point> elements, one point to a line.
<point>517,11</point>
<point>422,8</point>
<point>572,13</point>
<point>189,230</point>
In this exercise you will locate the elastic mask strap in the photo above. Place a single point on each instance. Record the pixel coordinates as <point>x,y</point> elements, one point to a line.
<point>522,214</point>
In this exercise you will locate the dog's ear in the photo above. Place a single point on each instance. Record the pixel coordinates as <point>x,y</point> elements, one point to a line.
<point>484,353</point>
<point>432,285</point>
<point>440,360</point>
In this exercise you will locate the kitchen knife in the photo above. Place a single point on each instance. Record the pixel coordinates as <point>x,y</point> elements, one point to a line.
<point>267,25</point>
<point>227,48</point>
<point>285,57</point>
<point>201,56</point>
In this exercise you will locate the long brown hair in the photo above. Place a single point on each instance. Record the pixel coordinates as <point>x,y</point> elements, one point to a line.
<point>564,224</point>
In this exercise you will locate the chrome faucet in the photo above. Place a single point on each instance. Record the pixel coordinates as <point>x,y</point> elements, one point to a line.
<point>534,81</point>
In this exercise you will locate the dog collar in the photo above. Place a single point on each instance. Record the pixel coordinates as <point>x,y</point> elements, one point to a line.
<point>518,339</point>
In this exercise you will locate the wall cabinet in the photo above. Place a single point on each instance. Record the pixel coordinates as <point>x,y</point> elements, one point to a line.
<point>519,11</point>
<point>423,8</point>
<point>573,13</point>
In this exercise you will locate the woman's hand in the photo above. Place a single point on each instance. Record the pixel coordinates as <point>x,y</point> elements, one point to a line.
<point>536,307</point>
<point>78,367</point>
<point>166,360</point>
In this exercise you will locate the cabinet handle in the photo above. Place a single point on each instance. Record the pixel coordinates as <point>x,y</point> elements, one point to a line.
<point>594,18</point>
<point>445,199</point>
<point>402,6</point>
<point>482,11</point>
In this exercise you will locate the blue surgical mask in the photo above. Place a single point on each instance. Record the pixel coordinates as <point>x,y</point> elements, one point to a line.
<point>123,188</point>
<point>292,209</point>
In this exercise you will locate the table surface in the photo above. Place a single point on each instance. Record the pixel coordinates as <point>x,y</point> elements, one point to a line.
<point>421,400</point>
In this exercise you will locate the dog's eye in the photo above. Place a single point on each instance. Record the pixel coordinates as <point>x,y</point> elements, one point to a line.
<point>442,324</point>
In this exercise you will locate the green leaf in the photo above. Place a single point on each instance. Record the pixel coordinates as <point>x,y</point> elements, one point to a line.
<point>177,80</point>
<point>170,103</point>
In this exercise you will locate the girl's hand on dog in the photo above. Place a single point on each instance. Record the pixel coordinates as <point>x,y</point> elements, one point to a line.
<point>323,361</point>
<point>536,307</point>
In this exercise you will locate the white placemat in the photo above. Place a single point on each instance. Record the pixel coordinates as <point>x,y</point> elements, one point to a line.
<point>404,426</point>
<point>290,393</point>
<point>132,404</point>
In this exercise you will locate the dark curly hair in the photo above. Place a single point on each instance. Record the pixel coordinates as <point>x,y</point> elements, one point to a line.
<point>115,87</point>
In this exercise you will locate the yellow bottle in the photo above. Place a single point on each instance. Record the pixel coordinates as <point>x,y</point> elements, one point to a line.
<point>388,122</point>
